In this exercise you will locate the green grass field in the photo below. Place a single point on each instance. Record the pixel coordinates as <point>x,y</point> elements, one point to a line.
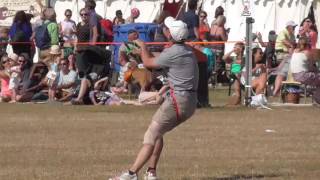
<point>55,142</point>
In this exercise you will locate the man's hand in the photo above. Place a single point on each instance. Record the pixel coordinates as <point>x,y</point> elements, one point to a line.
<point>140,43</point>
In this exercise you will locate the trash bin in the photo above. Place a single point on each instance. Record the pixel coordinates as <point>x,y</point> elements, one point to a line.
<point>146,33</point>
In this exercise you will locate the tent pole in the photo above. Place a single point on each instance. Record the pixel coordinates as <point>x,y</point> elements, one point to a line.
<point>248,60</point>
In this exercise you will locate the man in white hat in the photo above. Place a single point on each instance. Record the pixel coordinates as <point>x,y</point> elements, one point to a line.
<point>285,45</point>
<point>286,39</point>
<point>180,102</point>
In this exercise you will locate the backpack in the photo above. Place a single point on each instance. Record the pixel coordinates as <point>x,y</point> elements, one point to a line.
<point>42,38</point>
<point>106,30</point>
<point>18,35</point>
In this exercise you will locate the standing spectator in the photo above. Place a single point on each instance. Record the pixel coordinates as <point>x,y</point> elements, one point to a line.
<point>5,94</point>
<point>218,12</point>
<point>21,31</point>
<point>135,13</point>
<point>219,33</point>
<point>204,29</point>
<point>192,20</point>
<point>4,38</point>
<point>285,41</point>
<point>67,29</point>
<point>118,20</point>
<point>94,24</point>
<point>47,35</point>
<point>307,30</point>
<point>83,28</point>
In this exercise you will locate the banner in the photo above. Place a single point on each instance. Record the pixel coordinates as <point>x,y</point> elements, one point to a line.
<point>8,9</point>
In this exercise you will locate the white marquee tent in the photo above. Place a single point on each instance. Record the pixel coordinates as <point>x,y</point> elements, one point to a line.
<point>268,14</point>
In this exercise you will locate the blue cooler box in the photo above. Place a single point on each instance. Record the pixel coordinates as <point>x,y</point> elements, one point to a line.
<point>120,34</point>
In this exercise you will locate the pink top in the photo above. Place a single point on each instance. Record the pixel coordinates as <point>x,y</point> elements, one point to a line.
<point>313,38</point>
<point>5,91</point>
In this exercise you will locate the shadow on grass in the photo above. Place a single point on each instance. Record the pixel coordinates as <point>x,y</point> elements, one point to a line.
<point>243,176</point>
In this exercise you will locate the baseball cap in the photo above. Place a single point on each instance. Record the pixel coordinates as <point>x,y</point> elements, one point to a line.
<point>178,29</point>
<point>291,23</point>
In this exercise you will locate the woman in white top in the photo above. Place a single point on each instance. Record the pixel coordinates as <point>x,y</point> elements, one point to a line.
<point>303,67</point>
<point>68,28</point>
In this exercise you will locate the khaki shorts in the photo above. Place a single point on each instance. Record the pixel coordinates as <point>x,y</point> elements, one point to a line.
<point>166,115</point>
<point>166,118</point>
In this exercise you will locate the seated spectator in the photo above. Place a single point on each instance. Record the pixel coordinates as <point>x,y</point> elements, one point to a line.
<point>285,41</point>
<point>99,96</point>
<point>135,13</point>
<point>303,66</point>
<point>66,83</point>
<point>23,94</point>
<point>15,74</point>
<point>236,67</point>
<point>5,94</point>
<point>282,72</point>
<point>118,20</point>
<point>93,63</point>
<point>259,72</point>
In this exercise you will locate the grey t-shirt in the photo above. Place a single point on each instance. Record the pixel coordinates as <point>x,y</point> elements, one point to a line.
<point>182,67</point>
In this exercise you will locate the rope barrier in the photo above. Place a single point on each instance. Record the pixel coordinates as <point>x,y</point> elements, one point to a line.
<point>119,43</point>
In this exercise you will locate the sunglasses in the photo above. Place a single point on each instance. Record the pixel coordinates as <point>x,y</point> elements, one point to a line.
<point>83,14</point>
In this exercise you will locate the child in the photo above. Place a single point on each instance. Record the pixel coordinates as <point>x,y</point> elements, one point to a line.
<point>15,72</point>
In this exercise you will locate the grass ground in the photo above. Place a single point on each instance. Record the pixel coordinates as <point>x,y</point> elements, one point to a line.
<point>54,142</point>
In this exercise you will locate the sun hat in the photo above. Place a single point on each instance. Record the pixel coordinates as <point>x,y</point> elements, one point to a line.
<point>291,23</point>
<point>13,56</point>
<point>55,50</point>
<point>178,29</point>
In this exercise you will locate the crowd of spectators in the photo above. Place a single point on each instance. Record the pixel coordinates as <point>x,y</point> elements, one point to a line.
<point>73,68</point>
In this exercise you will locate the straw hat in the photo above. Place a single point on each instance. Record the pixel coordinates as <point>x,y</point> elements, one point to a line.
<point>55,50</point>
